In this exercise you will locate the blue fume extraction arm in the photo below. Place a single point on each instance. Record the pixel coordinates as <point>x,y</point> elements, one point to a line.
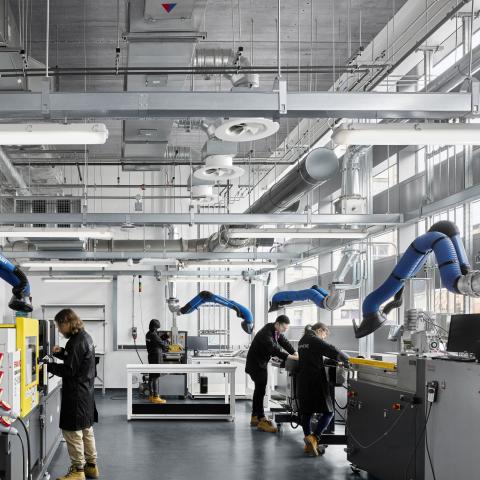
<point>327,299</point>
<point>456,274</point>
<point>209,297</point>
<point>12,274</point>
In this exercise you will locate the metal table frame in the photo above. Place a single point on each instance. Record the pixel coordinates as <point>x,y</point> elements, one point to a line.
<point>139,369</point>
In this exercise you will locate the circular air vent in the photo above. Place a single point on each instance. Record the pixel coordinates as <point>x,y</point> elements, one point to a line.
<point>218,168</point>
<point>246,129</point>
<point>203,195</point>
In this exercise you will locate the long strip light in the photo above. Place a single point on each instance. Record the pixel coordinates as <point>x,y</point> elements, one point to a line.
<point>407,134</point>
<point>53,134</point>
<point>76,279</point>
<point>202,279</point>
<point>295,233</point>
<point>81,233</point>
<point>67,265</point>
<point>233,265</point>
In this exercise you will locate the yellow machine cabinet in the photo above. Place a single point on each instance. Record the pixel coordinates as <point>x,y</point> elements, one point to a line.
<point>26,338</point>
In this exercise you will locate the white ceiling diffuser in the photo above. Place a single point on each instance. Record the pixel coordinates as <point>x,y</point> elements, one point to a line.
<point>203,195</point>
<point>246,129</point>
<point>218,168</point>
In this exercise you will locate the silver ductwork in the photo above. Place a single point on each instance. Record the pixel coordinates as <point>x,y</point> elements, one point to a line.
<point>11,174</point>
<point>315,169</point>
<point>213,58</point>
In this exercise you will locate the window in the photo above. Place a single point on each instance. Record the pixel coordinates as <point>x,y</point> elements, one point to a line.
<point>344,315</point>
<point>302,315</point>
<point>384,180</point>
<point>384,245</point>
<point>302,271</point>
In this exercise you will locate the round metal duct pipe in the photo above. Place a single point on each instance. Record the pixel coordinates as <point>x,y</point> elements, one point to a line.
<point>316,168</point>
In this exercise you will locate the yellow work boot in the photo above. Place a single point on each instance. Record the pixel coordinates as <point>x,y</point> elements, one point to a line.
<point>254,421</point>
<point>73,474</point>
<point>91,470</point>
<point>157,400</point>
<point>312,443</point>
<point>266,425</point>
<point>308,449</point>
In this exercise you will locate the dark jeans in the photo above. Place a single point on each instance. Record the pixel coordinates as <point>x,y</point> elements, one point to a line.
<point>322,424</point>
<point>153,383</point>
<point>260,379</point>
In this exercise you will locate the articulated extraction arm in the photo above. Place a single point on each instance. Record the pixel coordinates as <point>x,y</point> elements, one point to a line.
<point>208,297</point>
<point>329,300</point>
<point>20,300</point>
<point>456,274</point>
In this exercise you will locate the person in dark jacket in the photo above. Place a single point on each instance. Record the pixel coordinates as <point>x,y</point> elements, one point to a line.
<point>267,343</point>
<point>156,345</point>
<point>78,411</point>
<point>313,390</point>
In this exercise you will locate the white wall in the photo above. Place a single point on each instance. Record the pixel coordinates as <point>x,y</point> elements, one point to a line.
<point>149,304</point>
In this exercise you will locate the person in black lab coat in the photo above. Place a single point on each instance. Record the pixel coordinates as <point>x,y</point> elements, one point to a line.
<point>77,411</point>
<point>267,343</point>
<point>156,345</point>
<point>313,389</point>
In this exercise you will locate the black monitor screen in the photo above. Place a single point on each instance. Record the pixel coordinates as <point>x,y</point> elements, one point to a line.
<point>464,333</point>
<point>197,343</point>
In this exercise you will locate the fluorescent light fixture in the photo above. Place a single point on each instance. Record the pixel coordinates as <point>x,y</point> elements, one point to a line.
<point>53,134</point>
<point>295,233</point>
<point>203,279</point>
<point>407,134</point>
<point>80,233</point>
<point>67,265</point>
<point>251,265</point>
<point>158,261</point>
<point>76,279</point>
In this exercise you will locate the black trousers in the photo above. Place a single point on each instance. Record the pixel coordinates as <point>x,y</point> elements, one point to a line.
<point>260,379</point>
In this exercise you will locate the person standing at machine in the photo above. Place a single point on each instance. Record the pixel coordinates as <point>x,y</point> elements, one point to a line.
<point>156,345</point>
<point>313,390</point>
<point>267,343</point>
<point>78,411</point>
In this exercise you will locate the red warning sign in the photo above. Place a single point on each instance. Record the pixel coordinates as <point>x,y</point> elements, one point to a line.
<point>168,7</point>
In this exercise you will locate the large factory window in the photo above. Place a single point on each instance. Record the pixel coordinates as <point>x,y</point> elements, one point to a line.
<point>307,269</point>
<point>301,315</point>
<point>385,179</point>
<point>344,315</point>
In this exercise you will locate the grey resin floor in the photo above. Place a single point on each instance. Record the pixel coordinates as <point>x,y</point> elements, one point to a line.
<point>204,450</point>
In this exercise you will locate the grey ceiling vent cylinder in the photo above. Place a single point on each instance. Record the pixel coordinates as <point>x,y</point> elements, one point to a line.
<point>228,59</point>
<point>315,169</point>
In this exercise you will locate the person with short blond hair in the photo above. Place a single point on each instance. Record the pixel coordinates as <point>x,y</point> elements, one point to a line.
<point>78,411</point>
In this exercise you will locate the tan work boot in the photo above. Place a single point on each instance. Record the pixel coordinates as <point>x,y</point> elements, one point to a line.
<point>266,425</point>
<point>308,449</point>
<point>254,421</point>
<point>157,400</point>
<point>91,470</point>
<point>311,441</point>
<point>73,474</point>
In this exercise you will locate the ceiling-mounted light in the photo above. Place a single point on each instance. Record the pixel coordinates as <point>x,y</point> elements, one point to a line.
<point>157,261</point>
<point>66,265</point>
<point>76,279</point>
<point>407,134</point>
<point>218,168</point>
<point>53,134</point>
<point>203,279</point>
<point>295,233</point>
<point>246,129</point>
<point>80,233</point>
<point>233,265</point>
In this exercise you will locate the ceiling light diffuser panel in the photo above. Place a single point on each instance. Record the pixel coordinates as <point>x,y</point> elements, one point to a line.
<point>53,134</point>
<point>407,134</point>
